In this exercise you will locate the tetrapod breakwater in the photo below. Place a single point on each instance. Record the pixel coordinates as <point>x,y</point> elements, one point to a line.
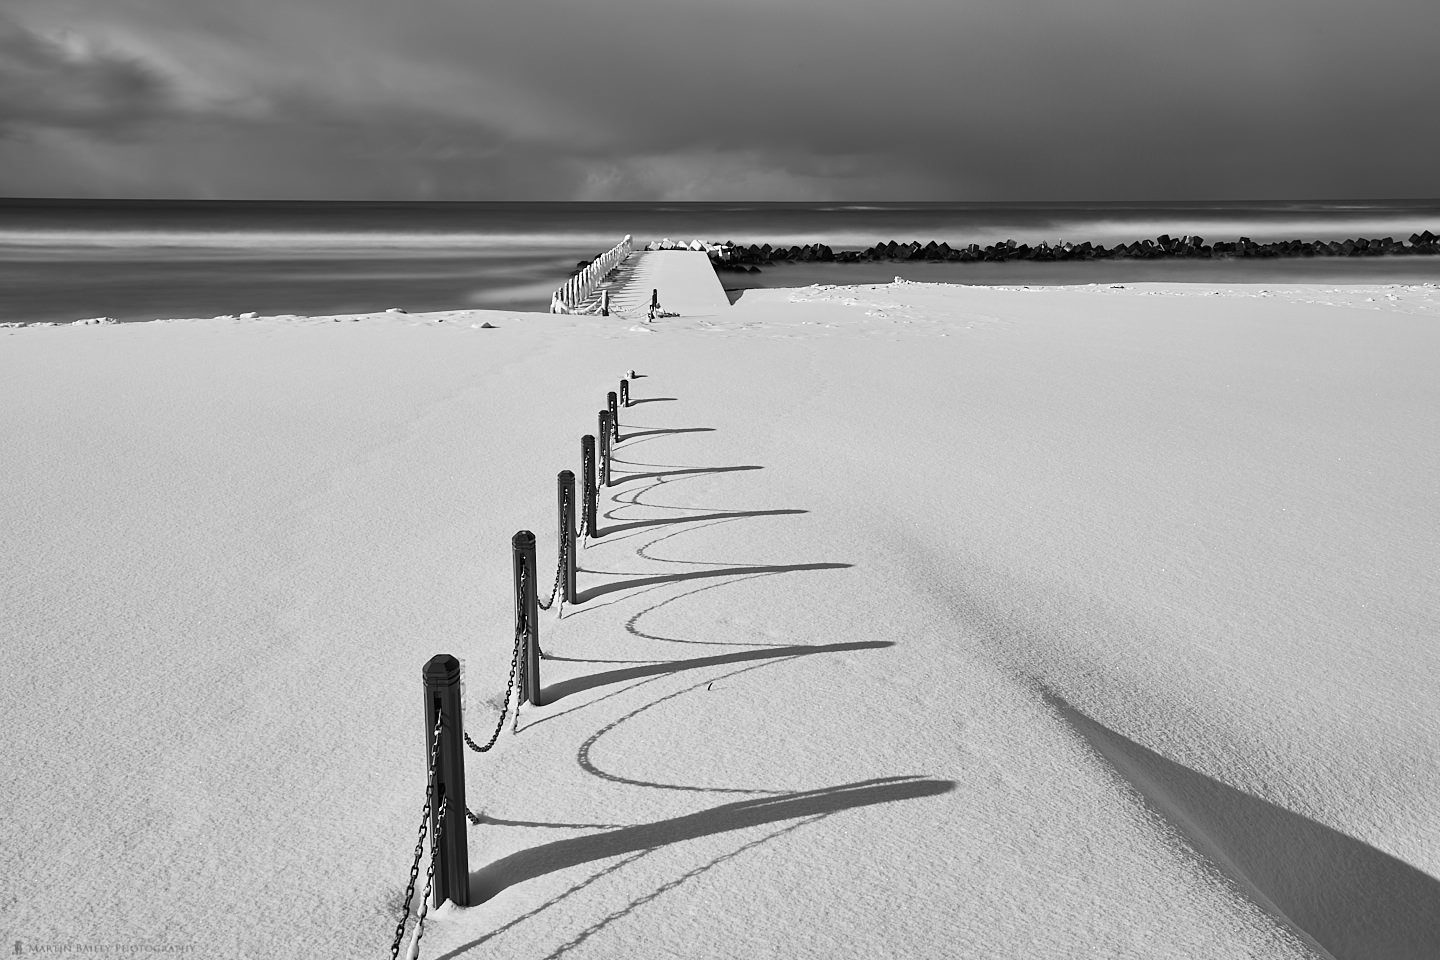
<point>735,257</point>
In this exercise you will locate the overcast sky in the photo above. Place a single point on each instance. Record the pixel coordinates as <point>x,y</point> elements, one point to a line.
<point>720,99</point>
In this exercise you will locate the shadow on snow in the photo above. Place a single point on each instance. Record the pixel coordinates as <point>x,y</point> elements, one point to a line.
<point>656,431</point>
<point>565,688</point>
<point>604,588</point>
<point>663,474</point>
<point>662,521</point>
<point>563,854</point>
<point>1355,901</point>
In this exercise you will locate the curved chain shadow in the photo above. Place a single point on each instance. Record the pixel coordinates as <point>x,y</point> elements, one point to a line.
<point>759,807</point>
<point>669,885</point>
<point>594,607</point>
<point>717,515</point>
<point>582,757</point>
<point>580,611</point>
<point>589,703</point>
<point>635,631</point>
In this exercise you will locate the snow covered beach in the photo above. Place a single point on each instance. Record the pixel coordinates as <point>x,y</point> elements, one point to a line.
<point>929,621</point>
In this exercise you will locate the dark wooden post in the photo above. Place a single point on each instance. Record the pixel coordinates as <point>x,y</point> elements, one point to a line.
<point>624,393</point>
<point>527,611</point>
<point>565,492</point>
<point>614,407</point>
<point>441,676</point>
<point>587,469</point>
<point>604,438</point>
<point>605,303</point>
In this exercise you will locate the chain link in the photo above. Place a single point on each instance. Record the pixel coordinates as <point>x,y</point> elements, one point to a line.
<point>420,843</point>
<point>522,633</point>
<point>519,694</point>
<point>517,674</point>
<point>504,707</point>
<point>559,572</point>
<point>414,874</point>
<point>522,619</point>
<point>517,667</point>
<point>413,952</point>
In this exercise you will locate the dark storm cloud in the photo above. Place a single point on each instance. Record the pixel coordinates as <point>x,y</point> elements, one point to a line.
<point>807,99</point>
<point>46,82</point>
<point>1033,99</point>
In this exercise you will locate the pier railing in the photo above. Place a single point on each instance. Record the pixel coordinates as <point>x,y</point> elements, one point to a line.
<point>572,297</point>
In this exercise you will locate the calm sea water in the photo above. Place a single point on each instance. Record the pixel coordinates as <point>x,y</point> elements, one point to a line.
<point>139,260</point>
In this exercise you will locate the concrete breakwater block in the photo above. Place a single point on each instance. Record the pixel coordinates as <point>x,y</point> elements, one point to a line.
<point>731,256</point>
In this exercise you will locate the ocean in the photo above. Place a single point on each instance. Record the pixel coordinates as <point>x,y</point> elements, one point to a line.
<point>64,260</point>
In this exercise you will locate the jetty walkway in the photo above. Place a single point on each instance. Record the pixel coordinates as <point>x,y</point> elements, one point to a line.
<point>687,283</point>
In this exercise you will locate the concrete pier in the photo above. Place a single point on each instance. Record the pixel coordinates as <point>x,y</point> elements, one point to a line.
<point>686,281</point>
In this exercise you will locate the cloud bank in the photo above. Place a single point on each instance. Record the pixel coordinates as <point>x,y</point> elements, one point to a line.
<point>677,99</point>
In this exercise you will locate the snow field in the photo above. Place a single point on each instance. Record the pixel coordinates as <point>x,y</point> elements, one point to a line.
<point>1103,630</point>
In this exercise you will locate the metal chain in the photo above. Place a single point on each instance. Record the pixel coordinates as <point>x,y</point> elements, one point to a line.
<point>522,630</point>
<point>559,572</point>
<point>413,953</point>
<point>517,666</point>
<point>504,707</point>
<point>520,694</point>
<point>419,844</point>
<point>522,619</point>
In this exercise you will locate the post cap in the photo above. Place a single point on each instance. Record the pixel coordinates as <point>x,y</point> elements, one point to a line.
<point>566,476</point>
<point>523,538</point>
<point>441,669</point>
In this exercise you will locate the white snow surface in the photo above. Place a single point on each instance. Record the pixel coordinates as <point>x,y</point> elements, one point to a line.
<point>929,621</point>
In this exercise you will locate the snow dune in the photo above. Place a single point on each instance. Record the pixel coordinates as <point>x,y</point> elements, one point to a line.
<point>927,621</point>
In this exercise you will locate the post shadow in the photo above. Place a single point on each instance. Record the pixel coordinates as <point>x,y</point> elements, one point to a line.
<point>665,521</point>
<point>562,854</point>
<point>564,688</point>
<point>661,474</point>
<point>638,463</point>
<point>1357,902</point>
<point>655,432</point>
<point>604,588</point>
